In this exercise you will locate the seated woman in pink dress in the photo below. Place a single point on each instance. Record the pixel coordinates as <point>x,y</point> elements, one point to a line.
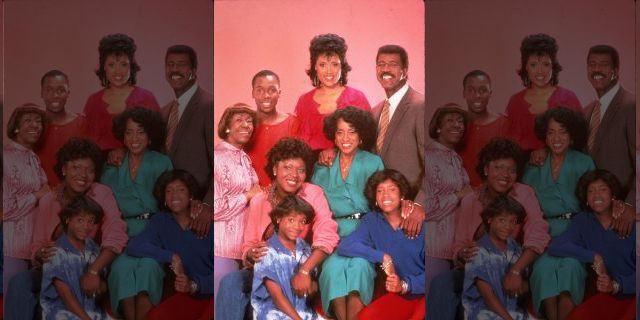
<point>117,74</point>
<point>328,73</point>
<point>539,73</point>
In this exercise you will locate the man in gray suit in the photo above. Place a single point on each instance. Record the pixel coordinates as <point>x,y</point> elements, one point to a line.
<point>400,142</point>
<point>611,119</point>
<point>189,120</point>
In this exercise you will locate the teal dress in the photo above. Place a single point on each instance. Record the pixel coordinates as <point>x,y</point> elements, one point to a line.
<point>341,275</point>
<point>130,276</point>
<point>553,275</point>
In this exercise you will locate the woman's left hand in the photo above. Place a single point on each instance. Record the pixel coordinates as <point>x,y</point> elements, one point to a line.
<point>413,216</point>
<point>202,214</point>
<point>623,218</point>
<point>393,283</point>
<point>604,284</point>
<point>182,283</point>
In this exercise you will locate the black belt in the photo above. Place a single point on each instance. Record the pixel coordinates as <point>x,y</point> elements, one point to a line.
<point>564,216</point>
<point>353,216</point>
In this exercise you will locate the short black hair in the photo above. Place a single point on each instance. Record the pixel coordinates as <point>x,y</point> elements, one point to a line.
<point>573,121</point>
<point>395,49</point>
<point>290,204</point>
<point>290,148</point>
<point>361,120</point>
<point>599,174</point>
<point>227,115</point>
<point>503,204</point>
<point>80,204</point>
<point>474,73</point>
<point>150,121</point>
<point>606,49</point>
<point>171,176</point>
<point>538,45</point>
<point>500,148</point>
<point>183,49</point>
<point>436,119</point>
<point>79,148</point>
<point>21,111</point>
<point>117,44</point>
<point>53,73</point>
<point>380,176</point>
<point>263,73</point>
<point>328,44</point>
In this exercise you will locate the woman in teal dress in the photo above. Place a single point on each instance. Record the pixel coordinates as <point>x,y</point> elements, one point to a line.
<point>346,284</point>
<point>557,284</point>
<point>135,284</point>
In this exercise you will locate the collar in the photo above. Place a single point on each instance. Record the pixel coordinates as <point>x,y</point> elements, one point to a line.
<point>606,99</point>
<point>486,242</point>
<point>223,145</point>
<point>394,100</point>
<point>439,146</point>
<point>184,99</point>
<point>275,243</point>
<point>14,145</point>
<point>64,243</point>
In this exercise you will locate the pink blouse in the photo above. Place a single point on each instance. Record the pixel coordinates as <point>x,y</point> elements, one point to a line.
<point>522,120</point>
<point>233,176</point>
<point>533,233</point>
<point>311,121</point>
<point>113,229</point>
<point>446,176</point>
<point>23,175</point>
<point>323,227</point>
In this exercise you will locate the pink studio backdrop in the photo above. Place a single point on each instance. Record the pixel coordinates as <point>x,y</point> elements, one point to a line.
<point>274,34</point>
<point>41,35</point>
<point>467,35</point>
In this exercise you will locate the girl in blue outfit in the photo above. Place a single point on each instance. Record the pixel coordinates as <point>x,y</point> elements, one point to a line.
<point>483,296</point>
<point>61,297</point>
<point>272,297</point>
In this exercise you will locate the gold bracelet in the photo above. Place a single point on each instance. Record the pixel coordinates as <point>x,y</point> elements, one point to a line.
<point>303,271</point>
<point>513,271</point>
<point>93,272</point>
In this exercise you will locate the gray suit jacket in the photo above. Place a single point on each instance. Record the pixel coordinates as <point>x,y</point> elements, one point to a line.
<point>192,146</point>
<point>614,147</point>
<point>403,147</point>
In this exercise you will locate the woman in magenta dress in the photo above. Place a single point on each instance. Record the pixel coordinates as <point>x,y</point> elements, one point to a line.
<point>117,74</point>
<point>328,73</point>
<point>539,73</point>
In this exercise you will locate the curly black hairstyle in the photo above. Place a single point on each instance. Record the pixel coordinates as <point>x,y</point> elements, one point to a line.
<point>21,111</point>
<point>117,44</point>
<point>538,45</point>
<point>500,148</point>
<point>503,204</point>
<point>79,148</point>
<point>328,44</point>
<point>150,121</point>
<point>395,49</point>
<point>290,204</point>
<point>81,204</point>
<point>599,174</point>
<point>227,115</point>
<point>436,119</point>
<point>171,176</point>
<point>573,121</point>
<point>289,148</point>
<point>362,121</point>
<point>380,176</point>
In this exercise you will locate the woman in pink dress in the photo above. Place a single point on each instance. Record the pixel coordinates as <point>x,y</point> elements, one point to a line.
<point>328,73</point>
<point>117,74</point>
<point>539,73</point>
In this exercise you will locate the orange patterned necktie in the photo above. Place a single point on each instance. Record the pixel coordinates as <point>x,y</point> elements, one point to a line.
<point>594,124</point>
<point>172,123</point>
<point>383,124</point>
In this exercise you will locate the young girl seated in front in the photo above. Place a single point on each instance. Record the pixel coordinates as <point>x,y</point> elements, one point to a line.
<point>61,297</point>
<point>272,296</point>
<point>483,296</point>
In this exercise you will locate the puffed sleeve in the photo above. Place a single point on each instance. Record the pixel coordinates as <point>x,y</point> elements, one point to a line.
<point>114,229</point>
<point>536,229</point>
<point>325,229</point>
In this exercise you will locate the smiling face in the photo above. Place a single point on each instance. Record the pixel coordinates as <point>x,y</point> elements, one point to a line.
<point>477,91</point>
<point>539,70</point>
<point>79,174</point>
<point>240,129</point>
<point>266,92</point>
<point>177,196</point>
<point>29,129</point>
<point>135,138</point>
<point>329,70</point>
<point>347,138</point>
<point>179,73</point>
<point>451,130</point>
<point>558,139</point>
<point>390,72</point>
<point>289,175</point>
<point>54,93</point>
<point>501,175</point>
<point>291,226</point>
<point>599,196</point>
<point>601,72</point>
<point>79,226</point>
<point>502,225</point>
<point>388,196</point>
<point>118,70</point>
